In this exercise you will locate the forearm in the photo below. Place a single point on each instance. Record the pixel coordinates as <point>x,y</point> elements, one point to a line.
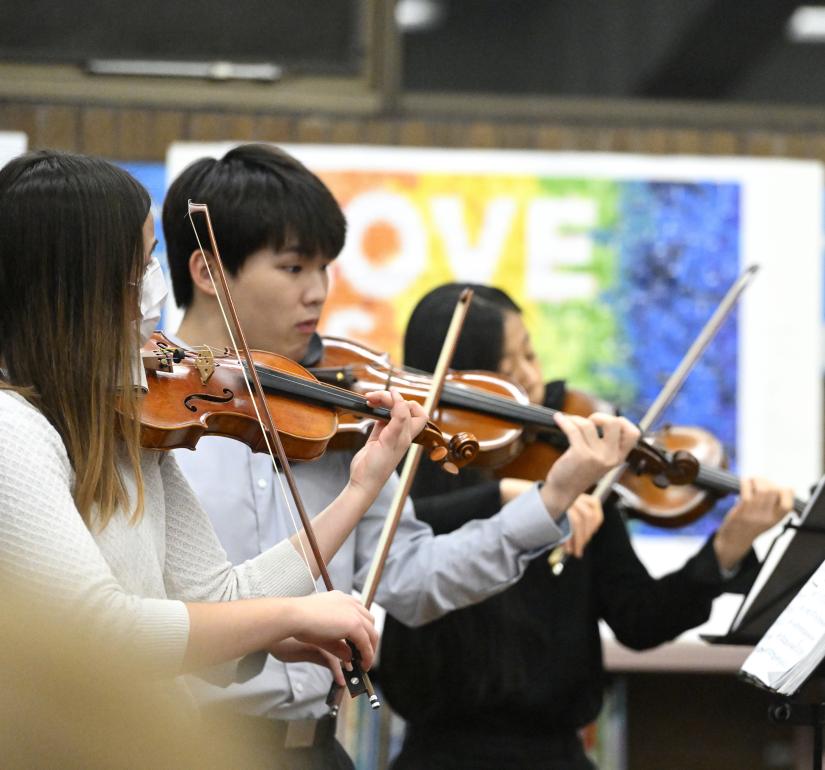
<point>334,524</point>
<point>223,631</point>
<point>426,577</point>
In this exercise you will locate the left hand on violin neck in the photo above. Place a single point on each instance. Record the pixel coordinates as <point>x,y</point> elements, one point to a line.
<point>761,505</point>
<point>387,443</point>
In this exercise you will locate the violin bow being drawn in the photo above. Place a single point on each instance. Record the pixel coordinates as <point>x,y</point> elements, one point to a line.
<point>411,463</point>
<point>358,681</point>
<point>558,556</point>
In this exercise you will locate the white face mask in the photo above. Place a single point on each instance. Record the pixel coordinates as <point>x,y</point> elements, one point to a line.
<point>153,294</point>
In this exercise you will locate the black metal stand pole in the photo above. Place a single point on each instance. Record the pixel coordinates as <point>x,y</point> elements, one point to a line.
<point>806,715</point>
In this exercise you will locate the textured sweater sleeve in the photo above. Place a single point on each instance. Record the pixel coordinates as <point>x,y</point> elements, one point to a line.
<point>50,557</point>
<point>197,568</point>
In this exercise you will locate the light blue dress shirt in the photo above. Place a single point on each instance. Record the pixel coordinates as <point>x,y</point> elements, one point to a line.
<point>425,576</point>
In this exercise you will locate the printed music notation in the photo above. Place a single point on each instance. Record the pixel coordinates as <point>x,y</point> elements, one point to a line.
<point>795,644</point>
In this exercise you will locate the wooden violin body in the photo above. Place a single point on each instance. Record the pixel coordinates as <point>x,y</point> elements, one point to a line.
<point>362,370</point>
<point>193,393</point>
<point>496,411</point>
<point>677,482</point>
<point>188,399</point>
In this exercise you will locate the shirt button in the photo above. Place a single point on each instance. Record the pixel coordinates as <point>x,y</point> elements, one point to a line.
<point>299,688</point>
<point>262,483</point>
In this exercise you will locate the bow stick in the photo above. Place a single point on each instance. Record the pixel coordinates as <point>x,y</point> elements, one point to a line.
<point>358,681</point>
<point>558,557</point>
<point>413,457</point>
<point>411,462</point>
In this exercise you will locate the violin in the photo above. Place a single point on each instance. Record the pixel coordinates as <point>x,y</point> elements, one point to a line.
<point>199,392</point>
<point>495,410</point>
<point>520,439</point>
<point>650,499</point>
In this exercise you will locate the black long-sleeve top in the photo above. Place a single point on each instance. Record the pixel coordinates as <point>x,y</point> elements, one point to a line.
<point>530,658</point>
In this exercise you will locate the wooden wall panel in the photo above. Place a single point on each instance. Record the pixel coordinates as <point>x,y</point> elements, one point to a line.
<point>312,129</point>
<point>130,133</point>
<point>274,128</point>
<point>56,127</point>
<point>378,131</point>
<point>99,131</point>
<point>19,117</point>
<point>165,127</point>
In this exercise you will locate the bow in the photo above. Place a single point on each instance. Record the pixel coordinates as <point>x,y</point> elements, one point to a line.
<point>558,557</point>
<point>358,681</point>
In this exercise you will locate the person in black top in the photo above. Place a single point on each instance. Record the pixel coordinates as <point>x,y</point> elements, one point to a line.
<point>509,682</point>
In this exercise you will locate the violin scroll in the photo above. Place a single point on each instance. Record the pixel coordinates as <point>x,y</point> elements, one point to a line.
<point>649,460</point>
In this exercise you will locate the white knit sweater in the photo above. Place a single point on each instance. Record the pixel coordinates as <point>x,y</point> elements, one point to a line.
<point>127,580</point>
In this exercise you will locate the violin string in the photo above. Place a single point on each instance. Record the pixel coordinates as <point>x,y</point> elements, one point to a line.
<point>500,406</point>
<point>267,437</point>
<point>495,402</point>
<point>490,403</point>
<point>528,411</point>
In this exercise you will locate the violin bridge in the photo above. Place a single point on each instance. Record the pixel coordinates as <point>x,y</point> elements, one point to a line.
<point>205,364</point>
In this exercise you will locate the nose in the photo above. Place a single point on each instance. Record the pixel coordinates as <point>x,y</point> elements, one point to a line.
<point>530,378</point>
<point>315,289</point>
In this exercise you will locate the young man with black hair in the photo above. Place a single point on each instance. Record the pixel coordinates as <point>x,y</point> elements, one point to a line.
<point>279,227</point>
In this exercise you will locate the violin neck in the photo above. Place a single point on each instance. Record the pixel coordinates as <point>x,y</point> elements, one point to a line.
<point>529,415</point>
<point>725,483</point>
<point>474,399</point>
<point>318,393</point>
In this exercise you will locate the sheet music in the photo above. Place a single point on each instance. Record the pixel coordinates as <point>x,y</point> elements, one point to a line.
<point>795,644</point>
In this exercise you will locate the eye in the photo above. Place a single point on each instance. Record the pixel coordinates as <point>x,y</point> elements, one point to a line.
<point>291,269</point>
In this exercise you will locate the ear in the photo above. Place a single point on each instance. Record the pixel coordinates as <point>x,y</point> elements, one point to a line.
<point>199,273</point>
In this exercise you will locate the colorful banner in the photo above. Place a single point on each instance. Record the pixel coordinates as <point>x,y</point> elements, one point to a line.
<point>617,261</point>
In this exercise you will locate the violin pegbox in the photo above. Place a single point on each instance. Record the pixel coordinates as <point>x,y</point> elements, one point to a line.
<point>459,451</point>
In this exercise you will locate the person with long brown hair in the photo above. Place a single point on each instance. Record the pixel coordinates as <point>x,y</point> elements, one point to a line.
<point>106,534</point>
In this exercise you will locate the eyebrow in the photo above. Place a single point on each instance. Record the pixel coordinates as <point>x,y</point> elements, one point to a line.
<point>299,250</point>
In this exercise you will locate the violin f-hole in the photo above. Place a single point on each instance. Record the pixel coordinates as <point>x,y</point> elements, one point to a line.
<point>228,396</point>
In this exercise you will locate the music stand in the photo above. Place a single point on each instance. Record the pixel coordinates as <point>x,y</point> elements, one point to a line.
<point>792,558</point>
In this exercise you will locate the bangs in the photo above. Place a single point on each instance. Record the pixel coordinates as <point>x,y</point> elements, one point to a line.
<point>258,197</point>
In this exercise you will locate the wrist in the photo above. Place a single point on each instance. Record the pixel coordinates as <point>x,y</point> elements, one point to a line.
<point>285,616</point>
<point>357,496</point>
<point>553,500</point>
<point>728,555</point>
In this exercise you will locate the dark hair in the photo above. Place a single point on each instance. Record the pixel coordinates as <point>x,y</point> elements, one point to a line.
<point>258,196</point>
<point>481,344</point>
<point>71,260</point>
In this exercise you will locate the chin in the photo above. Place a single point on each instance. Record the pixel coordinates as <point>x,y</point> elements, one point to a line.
<point>298,350</point>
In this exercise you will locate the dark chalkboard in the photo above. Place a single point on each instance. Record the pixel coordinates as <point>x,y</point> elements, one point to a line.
<point>303,35</point>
